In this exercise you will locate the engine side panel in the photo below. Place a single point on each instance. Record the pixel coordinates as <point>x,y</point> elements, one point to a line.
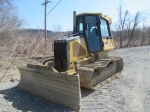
<point>78,50</point>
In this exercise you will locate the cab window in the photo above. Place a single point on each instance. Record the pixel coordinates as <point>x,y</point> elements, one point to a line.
<point>104,28</point>
<point>79,25</point>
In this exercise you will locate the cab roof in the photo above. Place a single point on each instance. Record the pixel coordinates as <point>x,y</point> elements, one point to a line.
<point>99,14</point>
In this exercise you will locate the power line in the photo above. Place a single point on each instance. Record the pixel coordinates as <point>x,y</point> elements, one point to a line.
<point>49,12</point>
<point>53,8</point>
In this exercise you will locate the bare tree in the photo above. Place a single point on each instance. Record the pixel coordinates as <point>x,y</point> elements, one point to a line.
<point>122,19</point>
<point>9,21</point>
<point>148,31</point>
<point>143,34</point>
<point>56,28</point>
<point>9,24</point>
<point>57,31</point>
<point>135,25</point>
<point>132,30</point>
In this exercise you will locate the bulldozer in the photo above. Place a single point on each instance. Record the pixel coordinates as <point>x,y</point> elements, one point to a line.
<point>80,60</point>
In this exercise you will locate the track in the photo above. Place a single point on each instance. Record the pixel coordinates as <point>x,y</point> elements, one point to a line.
<point>96,74</point>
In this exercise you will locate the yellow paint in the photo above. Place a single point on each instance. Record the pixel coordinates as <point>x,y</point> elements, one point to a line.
<point>81,41</point>
<point>71,71</point>
<point>108,44</point>
<point>100,14</point>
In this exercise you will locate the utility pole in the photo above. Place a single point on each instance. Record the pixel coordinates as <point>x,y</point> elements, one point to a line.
<point>45,4</point>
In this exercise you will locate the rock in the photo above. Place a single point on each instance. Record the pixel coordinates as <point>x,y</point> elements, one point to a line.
<point>10,103</point>
<point>15,79</point>
<point>12,80</point>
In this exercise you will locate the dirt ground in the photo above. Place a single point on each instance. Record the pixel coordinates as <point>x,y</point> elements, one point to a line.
<point>128,93</point>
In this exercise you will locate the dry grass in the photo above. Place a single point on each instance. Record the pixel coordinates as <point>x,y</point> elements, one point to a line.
<point>133,43</point>
<point>27,46</point>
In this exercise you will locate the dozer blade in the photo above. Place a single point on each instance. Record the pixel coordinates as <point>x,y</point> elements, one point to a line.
<point>46,82</point>
<point>98,73</point>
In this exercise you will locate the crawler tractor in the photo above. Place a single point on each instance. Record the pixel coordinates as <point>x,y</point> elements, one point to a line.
<point>80,60</point>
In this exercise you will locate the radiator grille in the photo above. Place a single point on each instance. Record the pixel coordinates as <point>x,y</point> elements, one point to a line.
<point>61,56</point>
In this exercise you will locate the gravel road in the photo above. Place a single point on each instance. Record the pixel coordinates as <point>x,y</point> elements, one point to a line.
<point>130,92</point>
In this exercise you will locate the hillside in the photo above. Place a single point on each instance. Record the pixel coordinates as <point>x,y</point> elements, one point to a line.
<point>42,32</point>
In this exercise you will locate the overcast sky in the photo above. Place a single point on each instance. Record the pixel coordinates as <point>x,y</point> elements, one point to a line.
<point>33,12</point>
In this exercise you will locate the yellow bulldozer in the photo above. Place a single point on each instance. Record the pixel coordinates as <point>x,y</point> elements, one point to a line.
<point>80,60</point>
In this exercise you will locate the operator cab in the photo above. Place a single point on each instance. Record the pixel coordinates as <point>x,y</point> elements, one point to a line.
<point>94,28</point>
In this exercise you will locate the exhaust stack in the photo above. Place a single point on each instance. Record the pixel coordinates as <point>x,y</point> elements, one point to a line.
<point>74,22</point>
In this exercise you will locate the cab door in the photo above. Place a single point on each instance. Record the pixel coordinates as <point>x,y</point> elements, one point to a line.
<point>92,34</point>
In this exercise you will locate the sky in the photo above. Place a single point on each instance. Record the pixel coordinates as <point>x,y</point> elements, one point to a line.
<point>32,12</point>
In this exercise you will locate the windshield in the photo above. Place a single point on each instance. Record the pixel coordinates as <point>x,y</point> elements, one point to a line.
<point>89,25</point>
<point>104,28</point>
